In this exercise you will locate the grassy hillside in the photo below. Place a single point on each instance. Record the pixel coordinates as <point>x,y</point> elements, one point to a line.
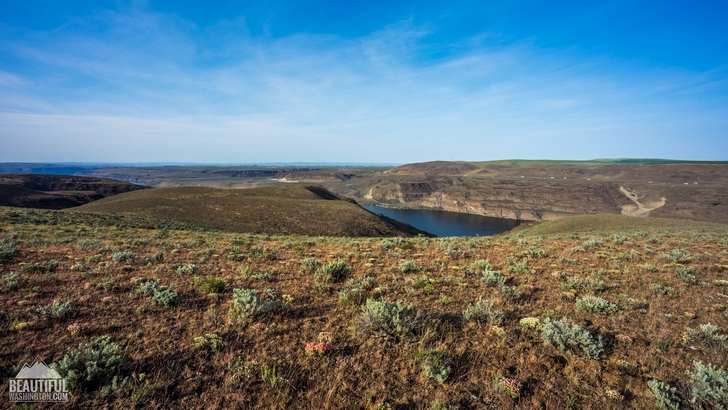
<point>615,224</point>
<point>289,209</point>
<point>178,319</point>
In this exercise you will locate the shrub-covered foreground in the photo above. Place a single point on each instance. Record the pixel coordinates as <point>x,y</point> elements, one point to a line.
<point>635,320</point>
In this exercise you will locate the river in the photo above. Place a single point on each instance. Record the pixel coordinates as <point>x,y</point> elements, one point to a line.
<point>442,223</point>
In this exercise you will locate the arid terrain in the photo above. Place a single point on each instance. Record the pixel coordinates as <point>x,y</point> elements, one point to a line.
<point>521,190</point>
<point>591,312</point>
<point>57,191</point>
<point>546,190</point>
<point>293,296</point>
<point>285,209</point>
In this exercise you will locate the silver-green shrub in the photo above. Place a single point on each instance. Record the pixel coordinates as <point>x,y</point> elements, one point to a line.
<point>13,280</point>
<point>165,296</point>
<point>482,313</point>
<point>335,271</point>
<point>58,309</point>
<point>567,337</point>
<point>586,283</point>
<point>389,320</point>
<point>510,292</point>
<point>594,304</point>
<point>410,266</point>
<point>709,386</point>
<point>310,265</point>
<point>123,256</point>
<point>8,252</point>
<point>481,265</point>
<point>90,364</point>
<point>189,269</point>
<point>493,278</point>
<point>707,332</point>
<point>690,275</point>
<point>158,257</point>
<point>662,289</point>
<point>435,364</point>
<point>676,256</point>
<point>592,243</point>
<point>665,396</point>
<point>245,304</point>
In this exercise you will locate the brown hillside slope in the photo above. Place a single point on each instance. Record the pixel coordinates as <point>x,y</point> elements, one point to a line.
<point>288,209</point>
<point>614,224</point>
<point>57,191</point>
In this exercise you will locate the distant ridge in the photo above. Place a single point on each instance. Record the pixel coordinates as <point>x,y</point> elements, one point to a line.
<point>56,191</point>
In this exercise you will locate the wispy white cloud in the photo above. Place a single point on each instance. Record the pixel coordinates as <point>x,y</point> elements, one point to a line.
<point>152,87</point>
<point>10,79</point>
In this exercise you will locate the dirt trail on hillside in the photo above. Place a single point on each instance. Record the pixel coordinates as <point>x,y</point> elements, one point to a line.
<point>641,209</point>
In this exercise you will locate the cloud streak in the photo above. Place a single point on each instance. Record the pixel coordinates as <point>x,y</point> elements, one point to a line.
<point>153,87</point>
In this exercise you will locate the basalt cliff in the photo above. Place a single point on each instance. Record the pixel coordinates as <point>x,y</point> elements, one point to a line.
<point>541,190</point>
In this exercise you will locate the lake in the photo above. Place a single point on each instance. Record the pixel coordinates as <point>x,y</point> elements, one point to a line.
<point>442,223</point>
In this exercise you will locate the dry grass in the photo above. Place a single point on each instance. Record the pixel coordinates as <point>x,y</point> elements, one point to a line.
<point>262,362</point>
<point>287,209</point>
<point>614,224</point>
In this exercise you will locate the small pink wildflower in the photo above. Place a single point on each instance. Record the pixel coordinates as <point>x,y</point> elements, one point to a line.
<point>318,349</point>
<point>530,286</point>
<point>624,338</point>
<point>511,387</point>
<point>260,326</point>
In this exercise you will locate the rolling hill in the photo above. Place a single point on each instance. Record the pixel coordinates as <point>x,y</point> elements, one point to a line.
<point>285,209</point>
<point>614,224</point>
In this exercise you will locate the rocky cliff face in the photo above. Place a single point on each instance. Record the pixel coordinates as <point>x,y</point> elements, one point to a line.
<point>512,199</point>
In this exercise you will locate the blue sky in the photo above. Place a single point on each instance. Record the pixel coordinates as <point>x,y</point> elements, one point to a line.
<point>362,81</point>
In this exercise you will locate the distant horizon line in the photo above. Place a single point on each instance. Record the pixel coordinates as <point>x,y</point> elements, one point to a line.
<point>345,164</point>
<point>139,164</point>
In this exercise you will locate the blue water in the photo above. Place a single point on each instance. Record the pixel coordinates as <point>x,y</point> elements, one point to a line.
<point>442,223</point>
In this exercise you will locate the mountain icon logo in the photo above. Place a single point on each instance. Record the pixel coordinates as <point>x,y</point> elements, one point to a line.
<point>39,370</point>
<point>37,383</point>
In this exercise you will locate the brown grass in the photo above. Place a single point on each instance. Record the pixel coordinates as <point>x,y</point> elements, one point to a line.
<point>287,209</point>
<point>615,224</point>
<point>362,372</point>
